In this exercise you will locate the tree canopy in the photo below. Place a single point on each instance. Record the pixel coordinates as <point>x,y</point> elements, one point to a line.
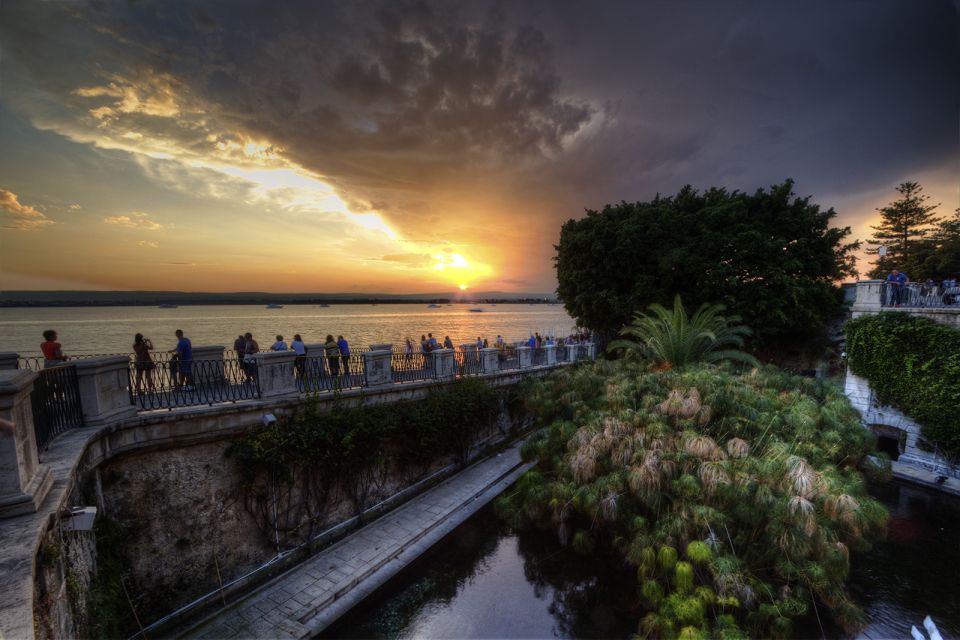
<point>917,242</point>
<point>770,257</point>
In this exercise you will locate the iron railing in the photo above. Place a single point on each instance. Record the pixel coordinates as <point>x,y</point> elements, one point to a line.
<point>410,367</point>
<point>538,357</point>
<point>176,383</point>
<point>917,294</point>
<point>326,373</point>
<point>468,362</point>
<point>508,358</point>
<point>55,401</point>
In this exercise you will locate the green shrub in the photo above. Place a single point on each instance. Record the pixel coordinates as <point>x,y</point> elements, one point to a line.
<point>913,364</point>
<point>293,469</point>
<point>754,477</point>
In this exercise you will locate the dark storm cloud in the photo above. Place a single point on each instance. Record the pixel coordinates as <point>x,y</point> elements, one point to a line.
<point>552,105</point>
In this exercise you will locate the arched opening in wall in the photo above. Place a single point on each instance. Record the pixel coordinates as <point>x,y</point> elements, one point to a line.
<point>889,439</point>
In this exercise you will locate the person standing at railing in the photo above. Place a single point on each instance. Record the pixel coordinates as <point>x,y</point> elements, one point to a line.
<point>143,363</point>
<point>250,347</point>
<point>301,350</point>
<point>447,342</point>
<point>332,349</point>
<point>279,345</point>
<point>184,351</point>
<point>239,346</point>
<point>53,354</point>
<point>408,346</point>
<point>344,347</point>
<point>898,283</point>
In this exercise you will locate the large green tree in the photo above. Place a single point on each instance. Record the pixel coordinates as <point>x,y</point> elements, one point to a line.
<point>905,230</point>
<point>770,257</point>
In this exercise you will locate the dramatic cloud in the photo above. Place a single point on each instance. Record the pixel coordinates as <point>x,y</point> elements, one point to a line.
<point>383,138</point>
<point>19,216</point>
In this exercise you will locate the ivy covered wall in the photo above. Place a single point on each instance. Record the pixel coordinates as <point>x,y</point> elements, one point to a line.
<point>913,364</point>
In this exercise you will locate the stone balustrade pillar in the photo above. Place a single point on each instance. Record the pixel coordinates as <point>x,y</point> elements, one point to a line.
<point>489,359</point>
<point>377,367</point>
<point>208,364</point>
<point>384,346</point>
<point>104,389</point>
<point>591,351</point>
<point>550,351</point>
<point>525,357</point>
<point>24,482</point>
<point>275,373</point>
<point>869,298</point>
<point>444,366</point>
<point>9,361</point>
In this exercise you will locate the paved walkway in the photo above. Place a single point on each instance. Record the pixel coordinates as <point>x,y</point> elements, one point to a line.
<point>308,598</point>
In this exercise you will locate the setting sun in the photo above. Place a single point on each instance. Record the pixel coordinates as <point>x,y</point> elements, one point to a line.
<point>463,287</point>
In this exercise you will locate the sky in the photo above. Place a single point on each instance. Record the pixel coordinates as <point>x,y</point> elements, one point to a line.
<point>407,146</point>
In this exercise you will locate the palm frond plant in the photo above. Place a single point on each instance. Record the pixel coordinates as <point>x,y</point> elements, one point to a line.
<point>673,339</point>
<point>707,482</point>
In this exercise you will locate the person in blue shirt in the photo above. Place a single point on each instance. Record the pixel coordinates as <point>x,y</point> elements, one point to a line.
<point>184,351</point>
<point>532,342</point>
<point>344,354</point>
<point>898,284</point>
<point>433,342</point>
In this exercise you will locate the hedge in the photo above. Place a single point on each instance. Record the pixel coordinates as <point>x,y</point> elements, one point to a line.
<point>912,363</point>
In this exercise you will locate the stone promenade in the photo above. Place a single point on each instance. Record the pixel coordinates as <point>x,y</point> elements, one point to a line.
<point>309,597</point>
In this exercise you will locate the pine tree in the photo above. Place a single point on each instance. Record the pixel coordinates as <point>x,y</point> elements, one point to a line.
<point>904,225</point>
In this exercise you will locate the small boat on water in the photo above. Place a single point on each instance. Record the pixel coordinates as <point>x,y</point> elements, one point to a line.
<point>324,305</point>
<point>433,306</point>
<point>476,310</point>
<point>167,306</point>
<point>274,306</point>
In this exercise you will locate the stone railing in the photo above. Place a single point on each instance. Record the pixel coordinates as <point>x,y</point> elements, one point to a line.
<point>874,296</point>
<point>105,387</point>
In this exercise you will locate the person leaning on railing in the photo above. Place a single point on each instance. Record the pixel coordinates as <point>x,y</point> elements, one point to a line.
<point>53,354</point>
<point>897,282</point>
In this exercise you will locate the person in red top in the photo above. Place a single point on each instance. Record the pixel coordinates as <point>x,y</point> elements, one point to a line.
<point>53,354</point>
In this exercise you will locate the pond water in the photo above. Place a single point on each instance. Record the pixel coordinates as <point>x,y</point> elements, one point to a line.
<point>488,581</point>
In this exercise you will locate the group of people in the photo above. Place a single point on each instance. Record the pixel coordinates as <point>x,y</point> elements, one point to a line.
<point>336,352</point>
<point>898,294</point>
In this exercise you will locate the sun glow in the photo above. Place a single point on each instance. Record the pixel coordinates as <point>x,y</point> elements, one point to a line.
<point>463,287</point>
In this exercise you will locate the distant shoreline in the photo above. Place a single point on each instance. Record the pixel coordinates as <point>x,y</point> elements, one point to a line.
<point>9,300</point>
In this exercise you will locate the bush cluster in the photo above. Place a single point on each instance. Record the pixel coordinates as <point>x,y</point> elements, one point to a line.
<point>736,498</point>
<point>295,468</point>
<point>913,364</point>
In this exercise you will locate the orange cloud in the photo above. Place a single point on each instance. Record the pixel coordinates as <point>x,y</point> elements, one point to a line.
<point>22,217</point>
<point>136,220</point>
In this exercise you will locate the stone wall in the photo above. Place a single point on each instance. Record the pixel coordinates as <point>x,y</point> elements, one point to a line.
<point>168,485</point>
<point>913,450</point>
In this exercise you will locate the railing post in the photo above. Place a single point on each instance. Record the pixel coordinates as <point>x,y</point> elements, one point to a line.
<point>208,364</point>
<point>275,373</point>
<point>489,360</point>
<point>377,367</point>
<point>24,482</point>
<point>444,366</point>
<point>104,389</point>
<point>551,355</point>
<point>384,346</point>
<point>869,298</point>
<point>524,356</point>
<point>591,351</point>
<point>9,361</point>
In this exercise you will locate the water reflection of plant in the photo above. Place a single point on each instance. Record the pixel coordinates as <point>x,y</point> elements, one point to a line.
<point>736,498</point>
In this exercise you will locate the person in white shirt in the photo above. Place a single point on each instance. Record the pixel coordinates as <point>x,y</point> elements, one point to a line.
<point>301,350</point>
<point>279,345</point>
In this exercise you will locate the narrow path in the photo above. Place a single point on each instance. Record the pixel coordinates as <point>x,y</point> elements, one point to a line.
<point>309,597</point>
